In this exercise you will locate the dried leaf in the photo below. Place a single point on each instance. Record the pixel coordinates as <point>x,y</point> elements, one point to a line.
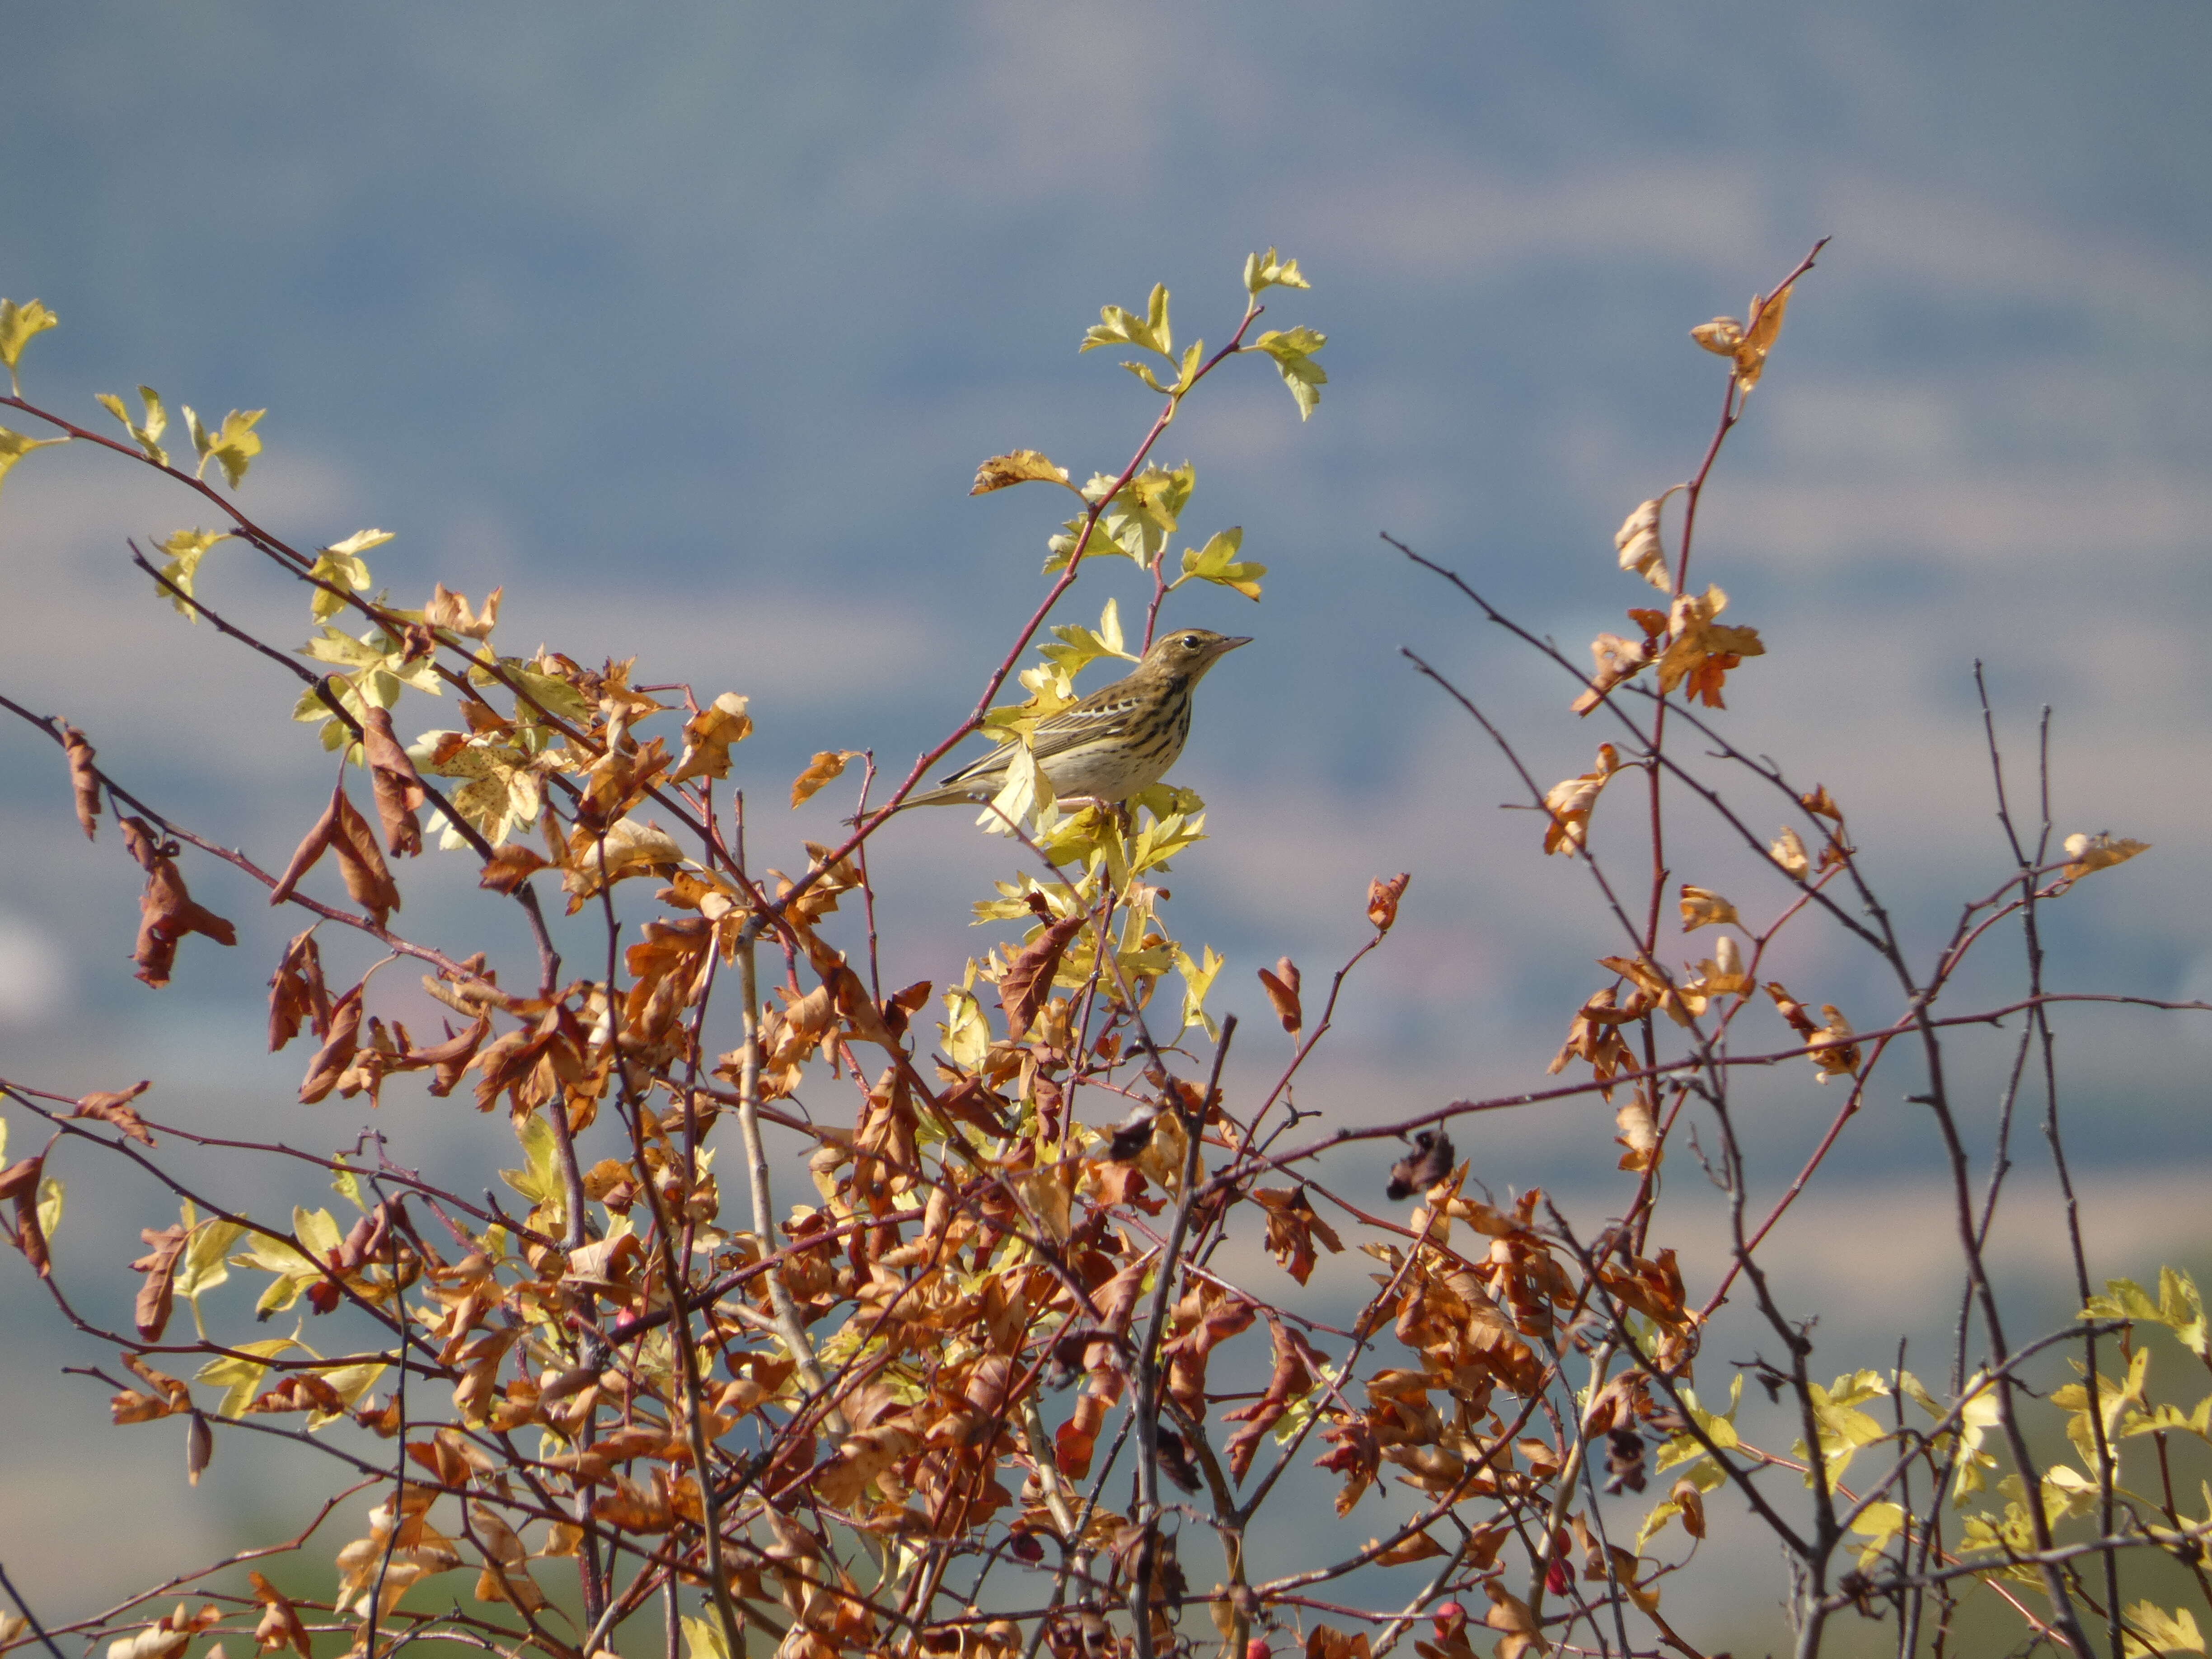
<point>397,786</point>
<point>1790,853</point>
<point>826,768</point>
<point>116,1108</point>
<point>1282,988</point>
<point>367,877</point>
<point>84,779</point>
<point>509,866</point>
<point>1617,658</point>
<point>1571,802</point>
<point>1018,466</point>
<point>150,1313</point>
<point>2099,852</point>
<point>166,911</point>
<point>337,1053</point>
<point>1703,908</point>
<point>297,994</point>
<point>1383,899</point>
<point>1425,1166</point>
<point>707,736</point>
<point>1641,550</point>
<point>1721,336</point>
<point>1027,979</point>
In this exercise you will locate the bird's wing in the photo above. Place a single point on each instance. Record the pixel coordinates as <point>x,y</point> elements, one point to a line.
<point>1104,713</point>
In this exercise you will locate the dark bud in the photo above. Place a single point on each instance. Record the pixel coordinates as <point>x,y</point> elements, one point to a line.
<point>1132,1135</point>
<point>1624,1460</point>
<point>1175,1459</point>
<point>1023,1546</point>
<point>1429,1162</point>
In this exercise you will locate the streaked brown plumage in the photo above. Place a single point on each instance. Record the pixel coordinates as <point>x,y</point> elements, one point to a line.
<point>1116,743</point>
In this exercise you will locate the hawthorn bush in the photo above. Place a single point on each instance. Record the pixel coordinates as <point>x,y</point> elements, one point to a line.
<point>962,1399</point>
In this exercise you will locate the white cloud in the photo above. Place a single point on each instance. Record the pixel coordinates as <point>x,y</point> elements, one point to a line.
<point>34,971</point>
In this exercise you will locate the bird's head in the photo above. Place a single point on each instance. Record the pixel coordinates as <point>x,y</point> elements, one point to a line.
<point>1187,653</point>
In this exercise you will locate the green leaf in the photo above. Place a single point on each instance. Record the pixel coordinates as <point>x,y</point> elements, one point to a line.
<point>1293,350</point>
<point>13,446</point>
<point>157,421</point>
<point>233,446</point>
<point>1217,562</point>
<point>1269,269</point>
<point>17,324</point>
<point>1118,327</point>
<point>185,549</point>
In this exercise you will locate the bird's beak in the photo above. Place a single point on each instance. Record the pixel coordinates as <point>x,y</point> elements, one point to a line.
<point>1231,643</point>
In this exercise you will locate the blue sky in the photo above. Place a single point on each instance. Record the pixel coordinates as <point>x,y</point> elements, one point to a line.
<point>689,327</point>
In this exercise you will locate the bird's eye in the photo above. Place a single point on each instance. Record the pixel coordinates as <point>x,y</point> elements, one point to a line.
<point>1190,641</point>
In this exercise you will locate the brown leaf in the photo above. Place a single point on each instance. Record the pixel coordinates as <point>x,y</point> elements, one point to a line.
<point>337,1053</point>
<point>452,611</point>
<point>1428,1164</point>
<point>150,1313</point>
<point>395,785</point>
<point>826,768</point>
<point>312,846</point>
<point>1282,988</point>
<point>1293,1230</point>
<point>199,1448</point>
<point>1757,340</point>
<point>21,1183</point>
<point>1617,658</point>
<point>367,877</point>
<point>297,994</point>
<point>509,866</point>
<point>1383,899</point>
<point>1512,1614</point>
<point>280,1625</point>
<point>1291,1380</point>
<point>1018,466</point>
<point>116,1108</point>
<point>1027,979</point>
<point>165,914</point>
<point>84,779</point>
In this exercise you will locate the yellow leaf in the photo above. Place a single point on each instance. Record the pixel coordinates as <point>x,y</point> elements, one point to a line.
<point>233,446</point>
<point>13,446</point>
<point>707,736</point>
<point>2151,1630</point>
<point>1117,326</point>
<point>1701,908</point>
<point>2099,852</point>
<point>1269,270</point>
<point>826,768</point>
<point>1217,562</point>
<point>1641,549</point>
<point>1292,349</point>
<point>18,323</point>
<point>1790,853</point>
<point>1018,466</point>
<point>157,421</point>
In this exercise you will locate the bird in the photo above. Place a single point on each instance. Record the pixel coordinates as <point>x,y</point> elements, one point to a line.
<point>1116,743</point>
